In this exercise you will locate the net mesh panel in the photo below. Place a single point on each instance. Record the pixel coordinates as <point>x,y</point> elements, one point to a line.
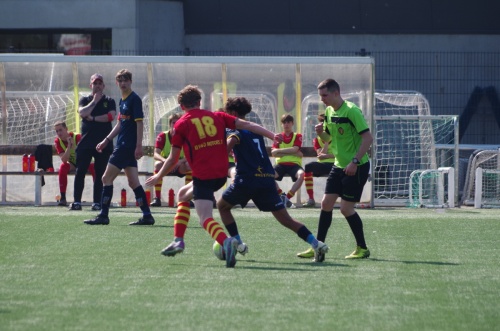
<point>31,117</point>
<point>487,160</point>
<point>263,109</point>
<point>406,144</point>
<point>490,197</point>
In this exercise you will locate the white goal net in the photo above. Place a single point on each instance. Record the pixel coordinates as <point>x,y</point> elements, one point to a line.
<point>406,138</point>
<point>263,108</point>
<point>31,115</point>
<point>488,183</point>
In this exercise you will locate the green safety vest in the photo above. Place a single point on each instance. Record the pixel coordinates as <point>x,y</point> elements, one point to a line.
<point>289,158</point>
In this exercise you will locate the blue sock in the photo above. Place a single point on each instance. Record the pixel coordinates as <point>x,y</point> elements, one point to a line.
<point>311,239</point>
<point>237,237</point>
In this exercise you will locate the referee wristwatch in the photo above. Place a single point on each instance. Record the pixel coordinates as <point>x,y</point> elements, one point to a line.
<point>355,161</point>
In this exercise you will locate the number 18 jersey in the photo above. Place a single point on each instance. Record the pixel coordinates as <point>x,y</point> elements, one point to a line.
<point>202,135</point>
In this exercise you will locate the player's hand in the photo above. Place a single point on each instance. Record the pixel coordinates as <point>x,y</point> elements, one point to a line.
<point>97,96</point>
<point>100,146</point>
<point>278,138</point>
<point>319,128</point>
<point>70,142</point>
<point>138,152</point>
<point>351,169</point>
<point>152,181</point>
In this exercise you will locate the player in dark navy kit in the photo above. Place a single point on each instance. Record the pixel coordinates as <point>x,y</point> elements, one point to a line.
<point>128,128</point>
<point>254,180</point>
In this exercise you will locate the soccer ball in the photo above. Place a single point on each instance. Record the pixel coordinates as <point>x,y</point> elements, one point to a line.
<point>219,251</point>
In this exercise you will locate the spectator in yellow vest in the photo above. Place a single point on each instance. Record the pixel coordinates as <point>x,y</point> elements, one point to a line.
<point>162,150</point>
<point>321,167</point>
<point>288,159</point>
<point>65,144</point>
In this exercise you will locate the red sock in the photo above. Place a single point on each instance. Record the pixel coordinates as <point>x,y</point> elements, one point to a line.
<point>308,178</point>
<point>181,219</point>
<point>158,187</point>
<point>189,178</point>
<point>63,177</point>
<point>215,230</point>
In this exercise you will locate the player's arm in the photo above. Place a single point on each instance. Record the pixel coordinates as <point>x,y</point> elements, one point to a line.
<point>138,145</point>
<point>323,152</point>
<point>168,165</point>
<point>285,151</point>
<point>157,155</point>
<point>231,141</point>
<point>109,138</point>
<point>109,117</point>
<point>86,110</point>
<point>65,156</point>
<point>255,128</point>
<point>366,142</point>
<point>322,134</point>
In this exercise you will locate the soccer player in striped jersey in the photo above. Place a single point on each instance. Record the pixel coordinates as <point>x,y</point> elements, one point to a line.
<point>254,181</point>
<point>202,135</point>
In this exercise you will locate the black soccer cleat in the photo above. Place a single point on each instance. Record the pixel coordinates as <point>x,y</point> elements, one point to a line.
<point>145,220</point>
<point>99,220</point>
<point>75,206</point>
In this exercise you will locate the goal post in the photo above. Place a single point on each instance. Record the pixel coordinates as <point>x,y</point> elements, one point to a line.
<point>405,145</point>
<point>486,180</point>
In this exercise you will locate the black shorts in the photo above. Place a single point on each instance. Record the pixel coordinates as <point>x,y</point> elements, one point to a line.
<point>204,189</point>
<point>319,169</point>
<point>290,170</point>
<point>123,158</point>
<point>176,173</point>
<point>349,188</point>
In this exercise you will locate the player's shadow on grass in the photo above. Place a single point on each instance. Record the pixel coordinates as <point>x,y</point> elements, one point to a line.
<point>303,263</point>
<point>415,262</point>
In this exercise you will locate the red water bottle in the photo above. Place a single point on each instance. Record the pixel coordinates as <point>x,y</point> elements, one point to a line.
<point>171,197</point>
<point>124,198</point>
<point>26,166</point>
<point>31,162</point>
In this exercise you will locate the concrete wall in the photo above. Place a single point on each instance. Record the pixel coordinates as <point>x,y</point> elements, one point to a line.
<point>156,25</point>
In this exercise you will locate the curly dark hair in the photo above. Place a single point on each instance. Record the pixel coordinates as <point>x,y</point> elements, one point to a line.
<point>238,104</point>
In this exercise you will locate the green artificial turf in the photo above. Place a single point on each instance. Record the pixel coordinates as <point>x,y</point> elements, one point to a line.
<point>429,270</point>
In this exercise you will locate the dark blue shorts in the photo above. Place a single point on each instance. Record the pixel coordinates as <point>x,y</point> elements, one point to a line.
<point>290,170</point>
<point>204,189</point>
<point>349,188</point>
<point>262,192</point>
<point>123,158</point>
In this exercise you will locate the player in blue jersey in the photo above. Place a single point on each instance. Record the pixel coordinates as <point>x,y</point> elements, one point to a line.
<point>128,128</point>
<point>254,180</point>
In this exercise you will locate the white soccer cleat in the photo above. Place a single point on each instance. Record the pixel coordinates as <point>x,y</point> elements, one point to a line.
<point>242,248</point>
<point>320,251</point>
